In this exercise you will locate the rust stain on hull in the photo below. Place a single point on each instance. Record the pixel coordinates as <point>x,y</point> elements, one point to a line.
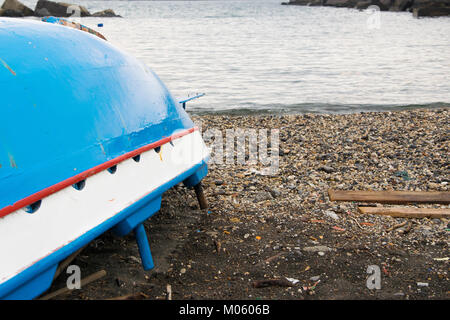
<point>7,67</point>
<point>12,162</point>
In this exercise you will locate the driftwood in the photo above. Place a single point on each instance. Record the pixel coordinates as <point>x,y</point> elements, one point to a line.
<point>396,226</point>
<point>394,197</point>
<point>91,278</point>
<point>218,246</point>
<point>403,212</point>
<point>132,296</point>
<point>64,264</point>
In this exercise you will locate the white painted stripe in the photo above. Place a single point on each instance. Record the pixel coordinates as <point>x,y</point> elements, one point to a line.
<point>66,215</point>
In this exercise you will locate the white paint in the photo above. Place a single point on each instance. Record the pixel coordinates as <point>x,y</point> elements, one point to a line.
<point>66,215</point>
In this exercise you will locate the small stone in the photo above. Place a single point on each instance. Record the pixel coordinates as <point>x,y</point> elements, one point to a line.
<point>275,193</point>
<point>426,231</point>
<point>321,253</point>
<point>262,196</point>
<point>433,185</point>
<point>246,235</point>
<point>183,270</point>
<point>315,278</point>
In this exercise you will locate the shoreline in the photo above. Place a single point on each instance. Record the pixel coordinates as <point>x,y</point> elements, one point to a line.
<point>263,227</point>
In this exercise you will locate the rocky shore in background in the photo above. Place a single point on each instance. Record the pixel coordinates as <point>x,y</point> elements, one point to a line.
<point>420,8</point>
<point>14,8</point>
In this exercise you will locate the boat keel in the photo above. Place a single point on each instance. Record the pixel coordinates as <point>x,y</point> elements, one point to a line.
<point>144,247</point>
<point>195,181</point>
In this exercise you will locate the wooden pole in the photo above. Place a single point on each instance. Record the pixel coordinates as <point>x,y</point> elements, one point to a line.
<point>91,278</point>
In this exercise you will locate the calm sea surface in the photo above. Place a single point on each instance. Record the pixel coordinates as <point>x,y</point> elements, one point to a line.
<point>260,56</point>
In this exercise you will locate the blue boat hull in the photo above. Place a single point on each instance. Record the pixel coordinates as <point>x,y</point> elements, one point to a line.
<point>74,101</point>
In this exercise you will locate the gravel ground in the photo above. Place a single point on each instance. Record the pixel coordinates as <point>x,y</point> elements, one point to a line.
<point>261,227</point>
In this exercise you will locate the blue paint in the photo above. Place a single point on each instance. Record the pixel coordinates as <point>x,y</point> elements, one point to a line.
<point>197,177</point>
<point>74,102</point>
<point>146,211</point>
<point>144,247</point>
<point>7,289</point>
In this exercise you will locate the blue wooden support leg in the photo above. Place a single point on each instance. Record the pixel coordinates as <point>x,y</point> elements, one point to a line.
<point>195,181</point>
<point>144,247</point>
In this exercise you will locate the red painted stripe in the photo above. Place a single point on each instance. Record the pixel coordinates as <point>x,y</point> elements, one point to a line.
<point>81,176</point>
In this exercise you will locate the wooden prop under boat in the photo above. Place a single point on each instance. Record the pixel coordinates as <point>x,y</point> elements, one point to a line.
<point>90,138</point>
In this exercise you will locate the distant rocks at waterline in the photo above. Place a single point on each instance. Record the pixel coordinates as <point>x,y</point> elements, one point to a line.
<point>420,8</point>
<point>434,9</point>
<point>14,8</point>
<point>108,13</point>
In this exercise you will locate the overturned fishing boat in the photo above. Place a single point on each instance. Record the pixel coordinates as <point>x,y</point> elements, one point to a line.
<point>90,139</point>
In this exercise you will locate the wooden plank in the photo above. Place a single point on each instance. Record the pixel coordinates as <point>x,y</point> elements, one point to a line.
<point>91,278</point>
<point>406,212</point>
<point>392,197</point>
<point>64,264</point>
